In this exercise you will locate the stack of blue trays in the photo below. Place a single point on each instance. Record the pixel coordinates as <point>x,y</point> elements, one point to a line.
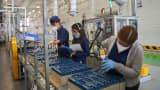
<point>30,52</point>
<point>57,61</point>
<point>40,56</point>
<point>95,80</point>
<point>40,53</point>
<point>69,67</point>
<point>54,61</point>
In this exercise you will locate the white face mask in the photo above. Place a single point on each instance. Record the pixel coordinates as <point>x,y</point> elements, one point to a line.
<point>76,35</point>
<point>55,28</point>
<point>120,47</point>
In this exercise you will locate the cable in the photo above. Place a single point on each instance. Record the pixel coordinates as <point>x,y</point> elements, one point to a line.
<point>97,35</point>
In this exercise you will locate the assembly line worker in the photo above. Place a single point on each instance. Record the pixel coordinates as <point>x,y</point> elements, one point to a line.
<point>63,36</point>
<point>79,37</point>
<point>125,56</point>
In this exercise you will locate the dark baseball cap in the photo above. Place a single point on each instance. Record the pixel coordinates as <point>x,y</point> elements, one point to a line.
<point>54,19</point>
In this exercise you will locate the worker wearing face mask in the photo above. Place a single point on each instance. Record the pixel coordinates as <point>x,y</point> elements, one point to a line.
<point>125,56</point>
<point>63,36</point>
<point>80,44</point>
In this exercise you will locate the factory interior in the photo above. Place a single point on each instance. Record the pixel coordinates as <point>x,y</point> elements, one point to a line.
<point>79,45</point>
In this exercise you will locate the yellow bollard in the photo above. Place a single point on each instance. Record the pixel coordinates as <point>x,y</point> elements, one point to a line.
<point>15,58</point>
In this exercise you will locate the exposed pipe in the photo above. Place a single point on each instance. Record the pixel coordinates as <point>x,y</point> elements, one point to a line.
<point>9,22</point>
<point>55,9</point>
<point>25,15</point>
<point>93,2</point>
<point>13,19</point>
<point>110,6</point>
<point>9,25</point>
<point>73,7</point>
<point>133,7</point>
<point>12,5</point>
<point>25,18</point>
<point>4,11</point>
<point>121,4</point>
<point>16,7</point>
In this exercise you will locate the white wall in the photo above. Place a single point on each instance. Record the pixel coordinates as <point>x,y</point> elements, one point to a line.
<point>149,33</point>
<point>149,16</point>
<point>84,6</point>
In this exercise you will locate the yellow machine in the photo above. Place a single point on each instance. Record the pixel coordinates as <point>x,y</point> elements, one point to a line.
<point>14,57</point>
<point>144,71</point>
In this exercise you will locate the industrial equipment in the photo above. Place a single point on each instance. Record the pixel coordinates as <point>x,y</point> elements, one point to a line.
<point>98,29</point>
<point>120,2</point>
<point>43,68</point>
<point>110,26</point>
<point>96,33</point>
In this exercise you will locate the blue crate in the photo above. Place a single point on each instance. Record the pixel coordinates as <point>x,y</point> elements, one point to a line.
<point>58,61</point>
<point>54,61</point>
<point>33,36</point>
<point>95,79</point>
<point>69,67</point>
<point>39,52</point>
<point>30,52</point>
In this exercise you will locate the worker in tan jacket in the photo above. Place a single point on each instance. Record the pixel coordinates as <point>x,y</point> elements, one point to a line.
<point>125,56</point>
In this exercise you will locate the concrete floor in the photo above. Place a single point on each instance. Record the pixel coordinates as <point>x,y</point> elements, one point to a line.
<point>6,80</point>
<point>154,84</point>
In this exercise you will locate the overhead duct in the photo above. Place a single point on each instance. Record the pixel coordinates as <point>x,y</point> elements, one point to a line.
<point>1,17</point>
<point>73,7</point>
<point>121,2</point>
<point>1,14</point>
<point>133,5</point>
<point>118,2</point>
<point>139,3</point>
<point>55,9</point>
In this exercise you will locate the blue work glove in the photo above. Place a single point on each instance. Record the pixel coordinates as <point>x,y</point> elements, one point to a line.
<point>68,48</point>
<point>107,64</point>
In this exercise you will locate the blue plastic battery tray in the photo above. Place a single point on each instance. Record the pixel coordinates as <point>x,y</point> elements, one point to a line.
<point>68,68</point>
<point>95,79</point>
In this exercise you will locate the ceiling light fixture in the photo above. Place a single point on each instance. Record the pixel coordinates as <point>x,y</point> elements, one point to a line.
<point>37,6</point>
<point>33,11</point>
<point>39,12</point>
<point>29,13</point>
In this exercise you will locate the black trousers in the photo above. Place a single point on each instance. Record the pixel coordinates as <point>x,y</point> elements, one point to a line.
<point>136,87</point>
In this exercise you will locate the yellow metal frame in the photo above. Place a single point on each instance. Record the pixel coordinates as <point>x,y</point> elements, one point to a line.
<point>15,57</point>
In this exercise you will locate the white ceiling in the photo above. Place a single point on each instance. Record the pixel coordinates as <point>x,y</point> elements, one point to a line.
<point>34,7</point>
